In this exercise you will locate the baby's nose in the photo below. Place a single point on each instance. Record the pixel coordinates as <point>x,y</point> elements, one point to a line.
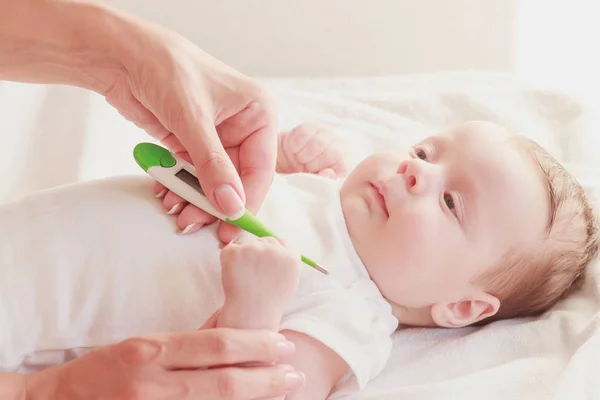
<point>403,167</point>
<point>412,177</point>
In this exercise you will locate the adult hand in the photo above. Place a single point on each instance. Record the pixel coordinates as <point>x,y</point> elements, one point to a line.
<point>210,114</point>
<point>206,112</point>
<point>196,365</point>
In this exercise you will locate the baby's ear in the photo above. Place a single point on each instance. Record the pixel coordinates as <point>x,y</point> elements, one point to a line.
<point>473,308</point>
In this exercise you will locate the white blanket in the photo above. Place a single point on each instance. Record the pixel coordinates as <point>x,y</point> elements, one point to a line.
<point>57,135</point>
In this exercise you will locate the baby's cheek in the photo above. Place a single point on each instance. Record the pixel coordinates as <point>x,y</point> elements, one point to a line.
<point>420,237</point>
<point>420,257</point>
<point>415,226</point>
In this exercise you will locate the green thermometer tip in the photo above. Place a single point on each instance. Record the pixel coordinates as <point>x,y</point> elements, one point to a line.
<point>250,223</point>
<point>313,264</point>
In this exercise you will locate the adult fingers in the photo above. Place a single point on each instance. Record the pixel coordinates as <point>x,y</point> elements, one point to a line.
<point>159,190</point>
<point>222,346</point>
<point>247,383</point>
<point>216,173</point>
<point>253,131</point>
<point>257,161</point>
<point>173,204</point>
<point>192,219</point>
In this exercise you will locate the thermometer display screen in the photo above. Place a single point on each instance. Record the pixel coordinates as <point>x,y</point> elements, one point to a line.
<point>189,179</point>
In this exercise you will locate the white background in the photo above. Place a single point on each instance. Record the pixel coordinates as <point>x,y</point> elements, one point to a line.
<point>342,37</point>
<point>554,40</point>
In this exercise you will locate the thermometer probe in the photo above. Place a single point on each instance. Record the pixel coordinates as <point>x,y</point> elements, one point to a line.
<point>179,176</point>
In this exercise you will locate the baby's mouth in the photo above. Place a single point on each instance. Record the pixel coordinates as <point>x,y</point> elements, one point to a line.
<point>379,189</point>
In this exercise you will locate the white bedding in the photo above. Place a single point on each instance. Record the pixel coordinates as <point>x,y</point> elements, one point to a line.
<point>57,135</point>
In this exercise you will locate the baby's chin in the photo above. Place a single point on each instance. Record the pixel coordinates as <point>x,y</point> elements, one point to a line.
<point>357,215</point>
<point>412,316</point>
<point>353,205</point>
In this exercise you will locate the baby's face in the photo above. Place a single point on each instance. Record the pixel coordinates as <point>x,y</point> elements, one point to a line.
<point>428,221</point>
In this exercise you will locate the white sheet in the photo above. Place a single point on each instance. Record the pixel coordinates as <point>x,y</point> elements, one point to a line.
<point>56,135</point>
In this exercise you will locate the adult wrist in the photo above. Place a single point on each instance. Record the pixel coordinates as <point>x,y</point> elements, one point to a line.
<point>69,42</point>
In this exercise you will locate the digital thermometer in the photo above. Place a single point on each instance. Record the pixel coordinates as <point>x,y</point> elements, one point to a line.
<point>179,176</point>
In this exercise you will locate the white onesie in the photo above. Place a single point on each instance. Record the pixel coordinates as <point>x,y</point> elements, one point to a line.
<point>94,263</point>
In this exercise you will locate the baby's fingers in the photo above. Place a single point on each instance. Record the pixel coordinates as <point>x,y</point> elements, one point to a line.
<point>333,157</point>
<point>297,139</point>
<point>281,245</point>
<point>328,173</point>
<point>314,149</point>
<point>342,165</point>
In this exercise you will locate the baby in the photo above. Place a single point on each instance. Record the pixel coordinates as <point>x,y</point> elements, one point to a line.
<point>469,226</point>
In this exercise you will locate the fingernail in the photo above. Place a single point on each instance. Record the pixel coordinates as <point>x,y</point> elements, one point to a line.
<point>229,201</point>
<point>294,381</point>
<point>285,349</point>
<point>186,229</point>
<point>161,193</point>
<point>174,208</point>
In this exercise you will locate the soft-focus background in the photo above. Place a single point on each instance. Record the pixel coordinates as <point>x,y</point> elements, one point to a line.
<point>538,39</point>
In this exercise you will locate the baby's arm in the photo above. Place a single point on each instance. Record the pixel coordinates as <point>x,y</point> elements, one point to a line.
<point>322,367</point>
<point>259,277</point>
<point>312,148</point>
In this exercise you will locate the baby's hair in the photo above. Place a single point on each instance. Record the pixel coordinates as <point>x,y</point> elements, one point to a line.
<point>529,281</point>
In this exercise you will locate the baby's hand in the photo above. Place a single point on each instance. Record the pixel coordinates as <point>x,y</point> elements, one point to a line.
<point>259,278</point>
<point>312,148</point>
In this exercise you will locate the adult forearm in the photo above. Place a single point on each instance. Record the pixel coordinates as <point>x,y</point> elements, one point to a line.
<point>12,386</point>
<point>61,41</point>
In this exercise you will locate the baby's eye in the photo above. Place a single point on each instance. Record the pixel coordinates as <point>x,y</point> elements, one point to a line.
<point>421,154</point>
<point>449,201</point>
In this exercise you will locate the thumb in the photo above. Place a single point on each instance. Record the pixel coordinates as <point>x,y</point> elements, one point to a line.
<point>216,173</point>
<point>211,323</point>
